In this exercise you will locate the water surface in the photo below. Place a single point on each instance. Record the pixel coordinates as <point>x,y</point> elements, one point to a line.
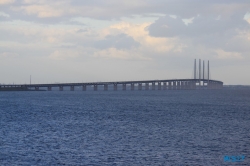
<point>124,127</point>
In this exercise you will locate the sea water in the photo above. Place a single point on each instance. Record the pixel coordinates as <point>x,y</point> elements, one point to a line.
<point>185,127</point>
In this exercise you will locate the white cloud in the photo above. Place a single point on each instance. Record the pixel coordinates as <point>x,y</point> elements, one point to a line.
<point>2,14</point>
<point>221,54</point>
<point>247,17</point>
<point>3,2</point>
<point>8,54</point>
<point>64,54</point>
<point>41,11</point>
<point>113,53</point>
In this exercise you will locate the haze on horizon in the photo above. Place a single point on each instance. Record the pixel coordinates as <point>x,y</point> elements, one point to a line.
<point>109,40</point>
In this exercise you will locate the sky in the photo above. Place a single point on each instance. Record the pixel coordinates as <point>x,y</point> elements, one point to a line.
<point>114,40</point>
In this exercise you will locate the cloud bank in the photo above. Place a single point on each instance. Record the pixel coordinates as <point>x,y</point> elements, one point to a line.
<point>151,39</point>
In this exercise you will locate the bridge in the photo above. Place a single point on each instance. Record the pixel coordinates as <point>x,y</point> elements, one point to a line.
<point>197,82</point>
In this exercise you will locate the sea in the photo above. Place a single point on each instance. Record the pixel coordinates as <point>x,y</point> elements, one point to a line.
<point>125,128</point>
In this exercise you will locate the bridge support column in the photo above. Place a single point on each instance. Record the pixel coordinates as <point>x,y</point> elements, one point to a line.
<point>184,85</point>
<point>169,85</point>
<point>115,87</point>
<point>132,86</point>
<point>194,84</point>
<point>72,88</point>
<point>178,85</point>
<point>159,85</point>
<point>95,87</point>
<point>124,87</point>
<point>139,86</point>
<point>174,85</point>
<point>105,87</point>
<point>164,86</point>
<point>37,88</point>
<point>153,85</point>
<point>84,88</point>
<point>147,86</point>
<point>49,88</point>
<point>61,88</point>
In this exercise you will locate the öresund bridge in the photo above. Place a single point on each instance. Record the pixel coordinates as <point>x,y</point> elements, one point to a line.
<point>199,81</point>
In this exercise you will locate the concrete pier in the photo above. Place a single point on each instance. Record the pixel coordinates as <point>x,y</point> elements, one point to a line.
<point>174,85</point>
<point>105,87</point>
<point>95,87</point>
<point>178,85</point>
<point>140,86</point>
<point>132,86</point>
<point>61,88</point>
<point>153,85</point>
<point>146,86</point>
<point>72,88</point>
<point>115,87</point>
<point>169,85</point>
<point>159,85</point>
<point>84,88</point>
<point>49,88</point>
<point>124,87</point>
<point>164,86</point>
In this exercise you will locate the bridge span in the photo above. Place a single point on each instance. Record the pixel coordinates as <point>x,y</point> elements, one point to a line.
<point>200,81</point>
<point>172,84</point>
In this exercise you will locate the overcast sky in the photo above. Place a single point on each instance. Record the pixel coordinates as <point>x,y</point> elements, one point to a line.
<point>109,40</point>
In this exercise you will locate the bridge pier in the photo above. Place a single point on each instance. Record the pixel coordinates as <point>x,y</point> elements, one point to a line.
<point>139,86</point>
<point>72,88</point>
<point>105,87</point>
<point>194,85</point>
<point>185,85</point>
<point>84,88</point>
<point>115,87</point>
<point>95,87</point>
<point>37,88</point>
<point>174,85</point>
<point>178,85</point>
<point>164,86</point>
<point>49,88</point>
<point>147,86</point>
<point>159,85</point>
<point>209,85</point>
<point>169,85</point>
<point>153,85</point>
<point>60,88</point>
<point>124,87</point>
<point>182,86</point>
<point>132,86</point>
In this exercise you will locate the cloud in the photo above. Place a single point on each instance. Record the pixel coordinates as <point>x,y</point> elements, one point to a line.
<point>64,54</point>
<point>4,2</point>
<point>8,54</point>
<point>221,54</point>
<point>161,34</point>
<point>2,14</point>
<point>120,41</point>
<point>113,53</point>
<point>214,33</point>
<point>140,34</point>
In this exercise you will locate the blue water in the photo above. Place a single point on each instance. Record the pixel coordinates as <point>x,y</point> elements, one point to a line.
<point>124,127</point>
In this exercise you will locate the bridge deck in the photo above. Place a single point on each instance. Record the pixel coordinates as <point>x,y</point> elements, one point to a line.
<point>110,83</point>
